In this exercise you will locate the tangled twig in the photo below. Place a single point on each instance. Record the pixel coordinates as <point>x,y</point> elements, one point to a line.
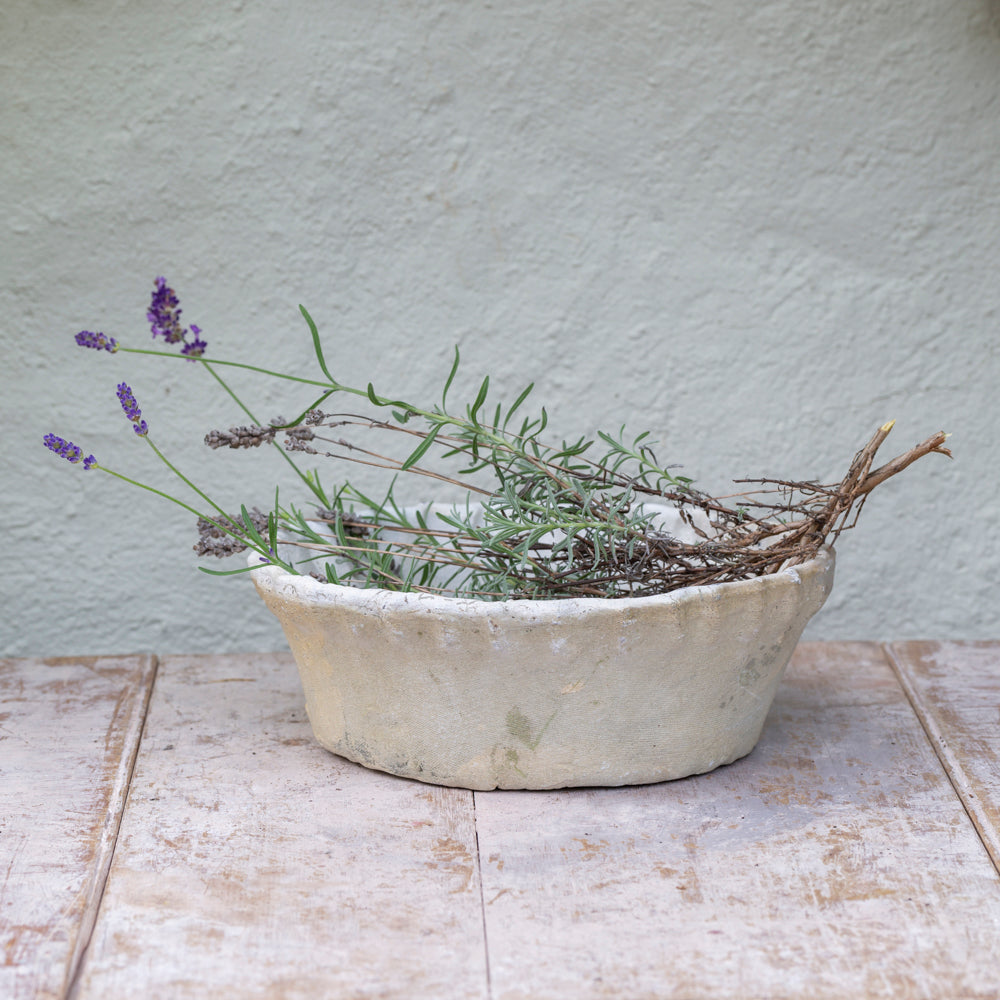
<point>562,527</point>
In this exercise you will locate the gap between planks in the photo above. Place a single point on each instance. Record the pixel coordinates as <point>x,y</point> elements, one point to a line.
<point>951,762</point>
<point>117,804</point>
<point>482,898</point>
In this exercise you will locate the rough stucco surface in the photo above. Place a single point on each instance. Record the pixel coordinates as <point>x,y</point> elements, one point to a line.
<point>758,230</point>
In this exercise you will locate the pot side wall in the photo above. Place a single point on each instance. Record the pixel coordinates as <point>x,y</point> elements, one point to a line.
<point>533,694</point>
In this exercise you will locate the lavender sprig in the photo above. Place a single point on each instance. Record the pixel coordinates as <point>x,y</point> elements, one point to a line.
<point>97,341</point>
<point>131,408</point>
<point>164,315</point>
<point>71,452</point>
<point>249,534</point>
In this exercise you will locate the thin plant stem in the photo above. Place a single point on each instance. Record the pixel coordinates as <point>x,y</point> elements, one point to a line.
<point>180,475</point>
<point>244,366</point>
<point>220,524</point>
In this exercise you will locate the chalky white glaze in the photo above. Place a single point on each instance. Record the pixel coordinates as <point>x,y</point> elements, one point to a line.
<point>543,694</point>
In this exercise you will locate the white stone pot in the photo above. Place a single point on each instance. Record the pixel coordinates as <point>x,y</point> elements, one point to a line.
<point>543,694</point>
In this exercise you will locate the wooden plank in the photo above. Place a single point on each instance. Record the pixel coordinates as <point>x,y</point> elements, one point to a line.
<point>955,689</point>
<point>835,861</point>
<point>252,863</point>
<point>69,729</point>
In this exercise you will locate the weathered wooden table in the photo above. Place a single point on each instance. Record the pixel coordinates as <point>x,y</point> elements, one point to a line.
<point>171,830</point>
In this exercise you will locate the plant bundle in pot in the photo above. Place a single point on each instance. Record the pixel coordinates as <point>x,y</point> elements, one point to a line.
<point>576,614</point>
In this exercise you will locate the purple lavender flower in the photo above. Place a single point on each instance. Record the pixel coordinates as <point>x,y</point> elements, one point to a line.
<point>197,347</point>
<point>164,317</point>
<point>97,341</point>
<point>164,314</point>
<point>71,452</point>
<point>131,408</point>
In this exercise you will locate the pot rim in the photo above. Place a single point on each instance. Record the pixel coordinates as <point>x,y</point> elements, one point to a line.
<point>307,590</point>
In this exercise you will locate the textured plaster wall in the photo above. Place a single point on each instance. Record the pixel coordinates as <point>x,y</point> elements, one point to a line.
<point>758,229</point>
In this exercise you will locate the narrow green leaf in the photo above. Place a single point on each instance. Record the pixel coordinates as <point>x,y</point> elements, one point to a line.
<point>451,378</point>
<point>249,525</point>
<point>480,399</point>
<point>478,467</point>
<point>421,448</point>
<point>517,402</point>
<point>228,572</point>
<point>317,346</point>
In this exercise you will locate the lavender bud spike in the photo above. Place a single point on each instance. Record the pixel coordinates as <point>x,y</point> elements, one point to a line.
<point>68,450</point>
<point>97,341</point>
<point>131,408</point>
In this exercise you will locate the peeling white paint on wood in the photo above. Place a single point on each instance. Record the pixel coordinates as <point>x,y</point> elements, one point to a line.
<point>69,729</point>
<point>955,689</point>
<point>834,861</point>
<point>253,863</point>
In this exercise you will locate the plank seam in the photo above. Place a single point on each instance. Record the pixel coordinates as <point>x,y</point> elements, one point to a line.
<point>482,899</point>
<point>117,804</point>
<point>952,766</point>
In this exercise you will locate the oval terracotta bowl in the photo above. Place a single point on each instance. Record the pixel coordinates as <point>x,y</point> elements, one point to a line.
<point>544,694</point>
